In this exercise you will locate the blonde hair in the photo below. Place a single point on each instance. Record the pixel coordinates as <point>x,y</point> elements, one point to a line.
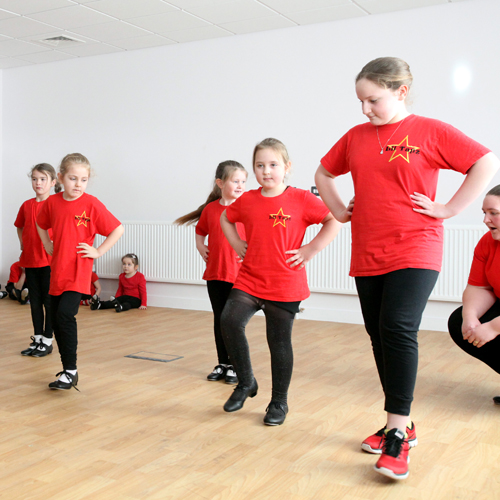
<point>387,72</point>
<point>46,168</point>
<point>273,144</point>
<point>224,171</point>
<point>73,158</point>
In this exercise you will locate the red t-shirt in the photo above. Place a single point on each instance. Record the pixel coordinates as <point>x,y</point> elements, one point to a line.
<point>15,272</point>
<point>485,269</point>
<point>133,287</point>
<point>33,255</point>
<point>273,226</point>
<point>73,222</point>
<point>387,234</point>
<point>222,262</point>
<point>93,279</point>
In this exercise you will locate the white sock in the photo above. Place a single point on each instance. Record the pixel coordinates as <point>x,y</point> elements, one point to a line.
<point>38,338</point>
<point>47,341</point>
<point>65,379</point>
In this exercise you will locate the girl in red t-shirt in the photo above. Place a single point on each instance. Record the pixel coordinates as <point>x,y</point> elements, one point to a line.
<point>272,276</point>
<point>222,261</point>
<point>131,292</point>
<point>397,233</point>
<point>75,218</point>
<point>17,285</point>
<point>35,259</point>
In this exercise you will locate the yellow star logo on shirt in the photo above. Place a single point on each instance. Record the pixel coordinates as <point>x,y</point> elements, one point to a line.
<point>402,150</point>
<point>279,218</point>
<point>82,219</point>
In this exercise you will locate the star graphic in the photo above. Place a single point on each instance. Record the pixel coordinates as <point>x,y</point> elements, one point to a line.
<point>279,218</point>
<point>82,219</point>
<point>405,152</point>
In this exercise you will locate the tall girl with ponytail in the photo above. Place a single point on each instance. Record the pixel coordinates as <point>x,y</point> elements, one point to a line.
<point>36,260</point>
<point>222,261</point>
<point>397,231</point>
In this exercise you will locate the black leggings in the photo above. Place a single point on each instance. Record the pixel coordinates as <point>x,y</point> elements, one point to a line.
<point>240,307</point>
<point>392,306</point>
<point>490,352</point>
<point>39,280</point>
<point>63,311</point>
<point>218,291</point>
<point>127,302</point>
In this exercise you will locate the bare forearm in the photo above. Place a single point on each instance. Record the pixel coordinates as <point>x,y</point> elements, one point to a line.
<point>200,242</point>
<point>478,177</point>
<point>112,238</point>
<point>325,182</point>
<point>19,285</point>
<point>477,301</point>
<point>326,234</point>
<point>229,230</point>
<point>44,236</point>
<point>20,236</point>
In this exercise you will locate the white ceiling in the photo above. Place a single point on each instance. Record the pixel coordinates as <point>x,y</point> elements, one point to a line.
<point>106,26</point>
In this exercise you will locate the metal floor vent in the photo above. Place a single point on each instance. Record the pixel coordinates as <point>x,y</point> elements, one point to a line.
<point>60,41</point>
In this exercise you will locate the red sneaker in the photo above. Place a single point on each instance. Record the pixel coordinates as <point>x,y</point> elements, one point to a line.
<point>394,460</point>
<point>375,442</point>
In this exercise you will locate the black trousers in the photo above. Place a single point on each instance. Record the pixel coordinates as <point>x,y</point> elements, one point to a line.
<point>239,309</point>
<point>490,352</point>
<point>218,292</point>
<point>39,280</point>
<point>127,302</point>
<point>392,305</point>
<point>63,310</point>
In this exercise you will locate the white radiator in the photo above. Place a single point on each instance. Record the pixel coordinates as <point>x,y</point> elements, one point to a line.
<point>167,253</point>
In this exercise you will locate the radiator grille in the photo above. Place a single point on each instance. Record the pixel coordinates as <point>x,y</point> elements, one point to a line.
<point>167,253</point>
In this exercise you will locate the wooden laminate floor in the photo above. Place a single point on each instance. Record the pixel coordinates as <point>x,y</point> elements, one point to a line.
<point>142,429</point>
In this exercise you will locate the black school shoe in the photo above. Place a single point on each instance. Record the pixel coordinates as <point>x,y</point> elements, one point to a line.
<point>118,307</point>
<point>65,386</point>
<point>41,350</point>
<point>240,394</point>
<point>31,348</point>
<point>231,377</point>
<point>95,303</point>
<point>218,373</point>
<point>275,413</point>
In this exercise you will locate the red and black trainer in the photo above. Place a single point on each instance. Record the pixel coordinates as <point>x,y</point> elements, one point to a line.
<point>394,460</point>
<point>375,442</point>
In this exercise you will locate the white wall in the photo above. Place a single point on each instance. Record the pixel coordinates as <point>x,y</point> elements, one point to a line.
<point>156,122</point>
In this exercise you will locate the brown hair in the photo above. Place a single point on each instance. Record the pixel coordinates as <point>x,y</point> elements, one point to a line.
<point>495,191</point>
<point>224,172</point>
<point>133,257</point>
<point>387,72</point>
<point>273,144</point>
<point>46,168</point>
<point>73,158</point>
